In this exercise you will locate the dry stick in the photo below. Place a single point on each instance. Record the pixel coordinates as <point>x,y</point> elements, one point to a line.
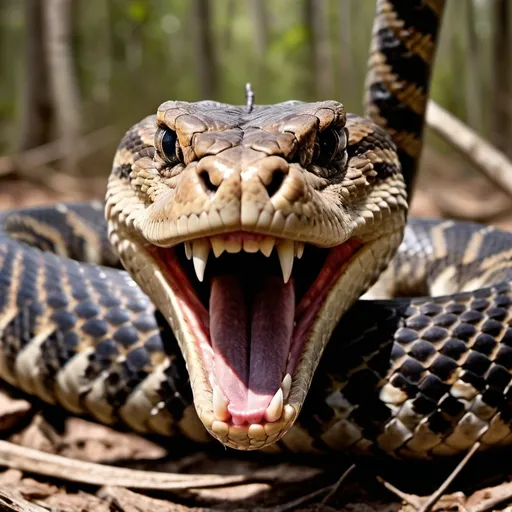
<point>491,162</point>
<point>410,499</point>
<point>55,466</point>
<point>295,504</point>
<point>337,485</point>
<point>442,488</point>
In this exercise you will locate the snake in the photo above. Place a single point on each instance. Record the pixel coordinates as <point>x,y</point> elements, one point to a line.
<point>215,292</point>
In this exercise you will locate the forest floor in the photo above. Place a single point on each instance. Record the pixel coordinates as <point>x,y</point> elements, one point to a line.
<point>266,482</point>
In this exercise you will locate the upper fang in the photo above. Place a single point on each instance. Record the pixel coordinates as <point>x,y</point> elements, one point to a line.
<point>200,252</point>
<point>286,253</point>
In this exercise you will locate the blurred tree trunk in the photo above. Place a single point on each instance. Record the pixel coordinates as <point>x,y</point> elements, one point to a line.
<point>347,69</point>
<point>456,49</point>
<point>322,50</point>
<point>260,25</point>
<point>103,68</point>
<point>474,94</point>
<point>204,48</point>
<point>308,8</point>
<point>134,52</point>
<point>36,113</point>
<point>501,117</point>
<point>58,22</point>
<point>227,38</point>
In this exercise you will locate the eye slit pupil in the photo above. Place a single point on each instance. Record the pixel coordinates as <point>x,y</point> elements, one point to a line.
<point>169,140</point>
<point>328,146</point>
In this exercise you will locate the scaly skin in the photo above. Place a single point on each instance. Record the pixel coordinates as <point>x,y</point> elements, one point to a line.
<point>222,182</point>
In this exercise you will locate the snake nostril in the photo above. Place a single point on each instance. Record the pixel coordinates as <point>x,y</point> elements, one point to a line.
<point>208,185</point>
<point>275,183</point>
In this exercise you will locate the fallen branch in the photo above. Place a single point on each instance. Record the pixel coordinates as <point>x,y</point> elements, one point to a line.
<point>23,163</point>
<point>55,466</point>
<point>493,163</point>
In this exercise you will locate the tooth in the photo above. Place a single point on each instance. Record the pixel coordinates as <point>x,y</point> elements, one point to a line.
<point>286,385</point>
<point>251,246</point>
<point>233,246</point>
<point>286,255</point>
<point>218,245</point>
<point>299,249</point>
<point>275,408</point>
<point>200,251</point>
<point>266,245</point>
<point>220,405</point>
<point>188,250</point>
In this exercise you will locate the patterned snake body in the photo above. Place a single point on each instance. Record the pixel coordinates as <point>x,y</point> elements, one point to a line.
<point>295,188</point>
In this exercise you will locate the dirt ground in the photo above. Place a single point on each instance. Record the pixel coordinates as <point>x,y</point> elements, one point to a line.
<point>231,481</point>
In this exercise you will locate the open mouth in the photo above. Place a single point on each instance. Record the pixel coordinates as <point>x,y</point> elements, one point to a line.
<point>250,301</point>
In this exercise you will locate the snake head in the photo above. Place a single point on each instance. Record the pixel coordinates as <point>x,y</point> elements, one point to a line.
<point>253,233</point>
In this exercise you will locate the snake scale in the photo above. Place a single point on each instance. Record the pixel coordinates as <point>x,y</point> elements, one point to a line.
<point>253,233</point>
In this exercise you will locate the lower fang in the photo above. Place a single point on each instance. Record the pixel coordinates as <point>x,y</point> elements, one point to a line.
<point>188,250</point>
<point>286,385</point>
<point>220,405</point>
<point>266,246</point>
<point>217,246</point>
<point>275,408</point>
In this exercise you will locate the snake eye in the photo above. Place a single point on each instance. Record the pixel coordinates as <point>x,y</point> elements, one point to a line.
<point>166,141</point>
<point>330,147</point>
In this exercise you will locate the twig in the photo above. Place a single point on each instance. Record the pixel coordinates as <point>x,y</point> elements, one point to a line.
<point>55,466</point>
<point>329,491</point>
<point>294,505</point>
<point>493,163</point>
<point>411,499</point>
<point>23,163</point>
<point>442,488</point>
<point>12,501</point>
<point>337,485</point>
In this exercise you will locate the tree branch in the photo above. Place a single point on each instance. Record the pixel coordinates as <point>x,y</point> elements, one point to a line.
<point>491,162</point>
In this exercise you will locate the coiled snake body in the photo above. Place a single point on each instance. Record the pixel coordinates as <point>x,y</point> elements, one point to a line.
<point>303,207</point>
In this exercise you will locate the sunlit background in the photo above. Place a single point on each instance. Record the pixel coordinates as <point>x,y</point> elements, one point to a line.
<point>75,74</point>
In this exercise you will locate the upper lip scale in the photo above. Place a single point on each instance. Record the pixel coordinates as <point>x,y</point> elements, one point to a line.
<point>198,251</point>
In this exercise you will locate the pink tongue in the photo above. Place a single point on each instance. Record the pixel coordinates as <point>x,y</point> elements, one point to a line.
<point>251,342</point>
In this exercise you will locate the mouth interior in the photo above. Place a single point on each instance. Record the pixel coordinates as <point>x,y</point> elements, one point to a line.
<point>253,323</point>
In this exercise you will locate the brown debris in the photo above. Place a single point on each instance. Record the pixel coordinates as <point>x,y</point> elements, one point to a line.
<point>13,411</point>
<point>124,500</point>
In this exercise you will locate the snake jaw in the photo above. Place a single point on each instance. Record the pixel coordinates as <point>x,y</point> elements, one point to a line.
<point>313,325</point>
<point>316,315</point>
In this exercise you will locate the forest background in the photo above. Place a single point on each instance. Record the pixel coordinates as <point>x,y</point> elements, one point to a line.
<point>75,74</point>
